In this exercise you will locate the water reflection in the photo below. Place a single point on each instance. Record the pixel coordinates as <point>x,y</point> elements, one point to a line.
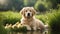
<point>28,32</point>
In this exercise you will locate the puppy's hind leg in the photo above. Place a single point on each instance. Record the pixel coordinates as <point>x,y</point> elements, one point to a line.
<point>34,28</point>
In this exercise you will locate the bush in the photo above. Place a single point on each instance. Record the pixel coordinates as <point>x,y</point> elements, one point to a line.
<point>41,5</point>
<point>54,23</point>
<point>43,18</point>
<point>2,29</point>
<point>10,17</point>
<point>29,2</point>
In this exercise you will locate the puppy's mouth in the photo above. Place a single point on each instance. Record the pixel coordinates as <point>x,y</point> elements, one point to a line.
<point>28,15</point>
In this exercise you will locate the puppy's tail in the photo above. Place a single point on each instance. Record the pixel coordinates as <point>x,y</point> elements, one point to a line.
<point>46,29</point>
<point>46,26</point>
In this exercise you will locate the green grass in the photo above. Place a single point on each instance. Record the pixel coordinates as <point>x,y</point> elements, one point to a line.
<point>54,23</point>
<point>10,17</point>
<point>2,29</point>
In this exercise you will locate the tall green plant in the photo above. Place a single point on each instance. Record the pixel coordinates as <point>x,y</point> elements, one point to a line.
<point>2,29</point>
<point>55,23</point>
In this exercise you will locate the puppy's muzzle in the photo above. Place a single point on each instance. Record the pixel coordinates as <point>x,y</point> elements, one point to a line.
<point>28,14</point>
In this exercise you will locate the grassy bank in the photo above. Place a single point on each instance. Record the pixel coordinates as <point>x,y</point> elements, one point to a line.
<point>10,17</point>
<point>13,17</point>
<point>52,18</point>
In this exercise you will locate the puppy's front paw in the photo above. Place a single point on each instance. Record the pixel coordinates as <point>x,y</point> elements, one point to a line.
<point>28,27</point>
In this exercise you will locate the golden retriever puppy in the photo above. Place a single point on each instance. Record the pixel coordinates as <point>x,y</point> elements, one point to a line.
<point>29,20</point>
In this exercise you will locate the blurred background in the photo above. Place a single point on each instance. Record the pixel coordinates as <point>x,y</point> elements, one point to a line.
<point>48,11</point>
<point>39,5</point>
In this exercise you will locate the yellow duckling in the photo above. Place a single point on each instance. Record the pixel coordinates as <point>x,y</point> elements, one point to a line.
<point>15,25</point>
<point>10,26</point>
<point>19,25</point>
<point>6,26</point>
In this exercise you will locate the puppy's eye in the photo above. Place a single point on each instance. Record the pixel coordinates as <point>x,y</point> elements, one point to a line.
<point>30,10</point>
<point>26,10</point>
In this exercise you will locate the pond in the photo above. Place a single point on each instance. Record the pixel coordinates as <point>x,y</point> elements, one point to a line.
<point>28,32</point>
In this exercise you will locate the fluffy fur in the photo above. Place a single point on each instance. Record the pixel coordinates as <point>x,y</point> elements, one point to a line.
<point>29,20</point>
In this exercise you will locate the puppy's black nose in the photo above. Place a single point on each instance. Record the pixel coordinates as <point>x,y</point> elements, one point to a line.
<point>28,14</point>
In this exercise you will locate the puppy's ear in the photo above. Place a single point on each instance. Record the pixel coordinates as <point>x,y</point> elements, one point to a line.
<point>33,10</point>
<point>21,12</point>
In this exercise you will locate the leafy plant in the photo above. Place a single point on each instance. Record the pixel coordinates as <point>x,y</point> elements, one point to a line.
<point>54,23</point>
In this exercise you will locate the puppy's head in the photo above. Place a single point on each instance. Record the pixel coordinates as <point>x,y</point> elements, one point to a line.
<point>28,12</point>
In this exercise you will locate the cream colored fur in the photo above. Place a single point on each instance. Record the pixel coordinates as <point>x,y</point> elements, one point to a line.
<point>31,22</point>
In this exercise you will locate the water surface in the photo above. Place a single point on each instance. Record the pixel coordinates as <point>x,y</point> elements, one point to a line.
<point>28,32</point>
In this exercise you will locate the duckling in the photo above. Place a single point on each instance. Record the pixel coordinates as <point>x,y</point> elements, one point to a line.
<point>19,25</point>
<point>15,25</point>
<point>10,26</point>
<point>6,26</point>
